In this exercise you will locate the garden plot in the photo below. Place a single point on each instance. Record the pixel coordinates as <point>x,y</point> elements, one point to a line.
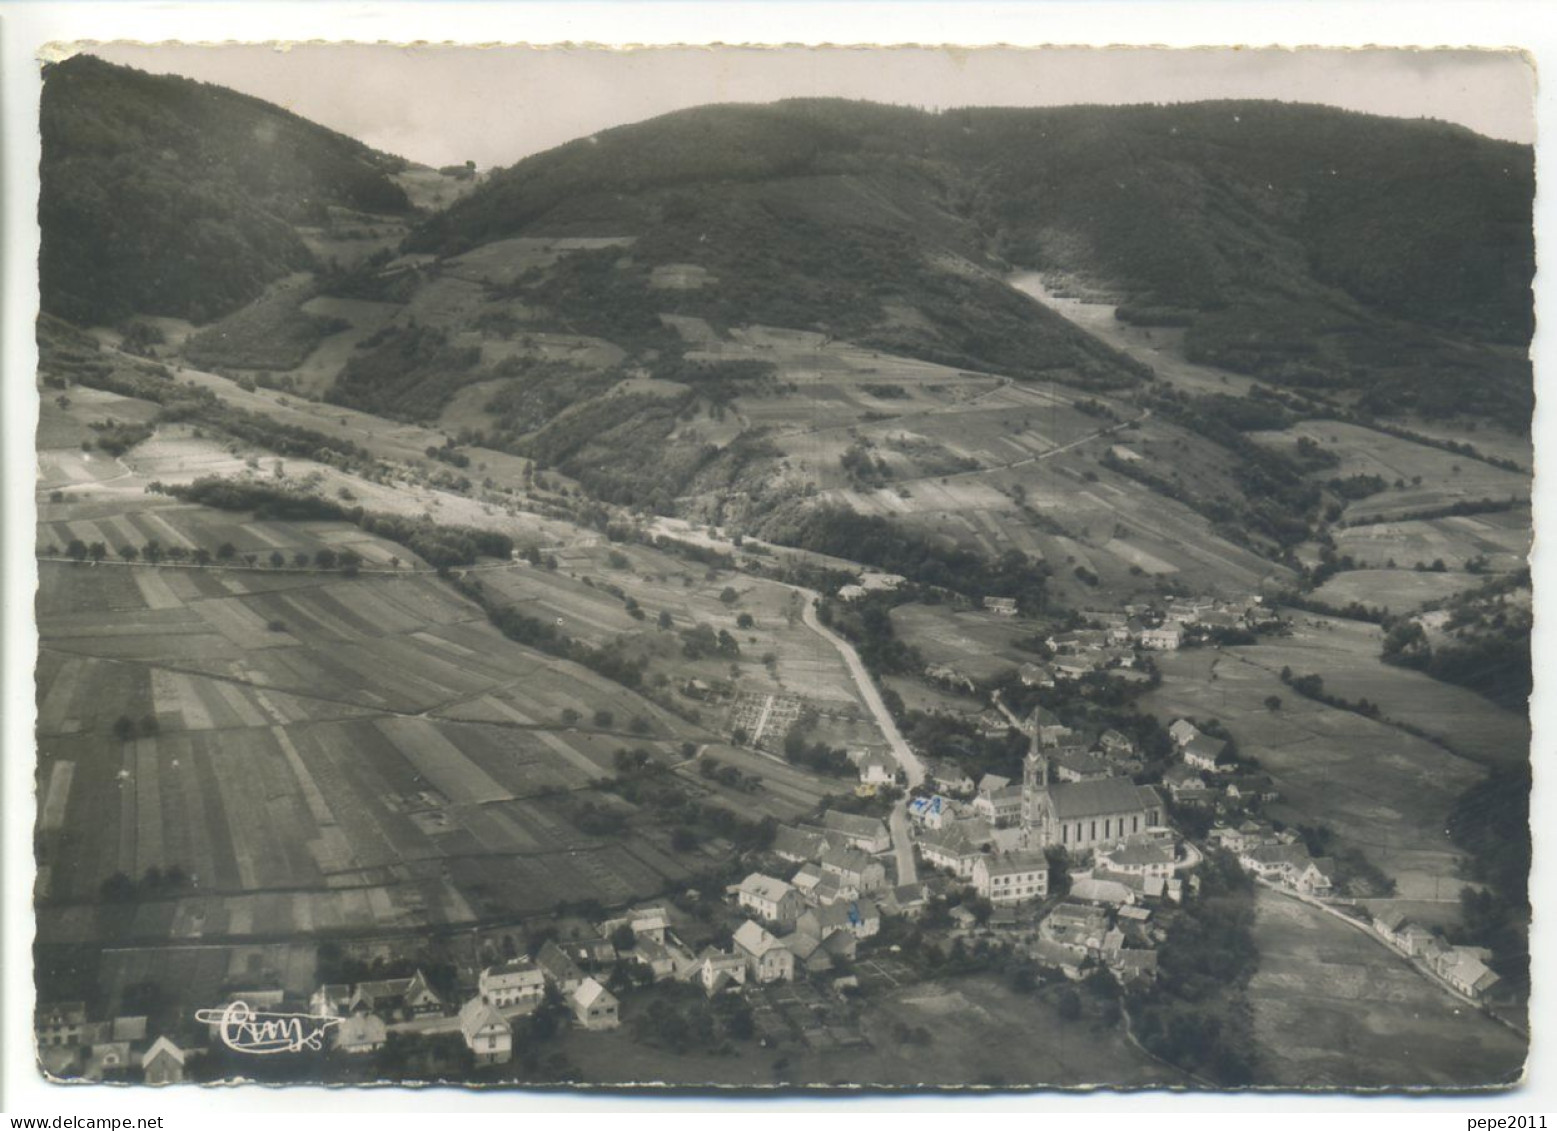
<point>1395,590</point>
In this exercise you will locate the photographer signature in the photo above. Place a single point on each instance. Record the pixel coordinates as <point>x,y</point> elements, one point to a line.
<point>247,1030</point>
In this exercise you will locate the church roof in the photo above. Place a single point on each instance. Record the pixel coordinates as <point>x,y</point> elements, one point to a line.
<point>1100,798</point>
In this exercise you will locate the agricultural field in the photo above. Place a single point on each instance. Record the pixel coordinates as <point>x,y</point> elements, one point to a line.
<point>1427,477</point>
<point>1503,538</point>
<point>976,644</point>
<point>1334,1008</point>
<point>1394,590</point>
<point>1382,790</point>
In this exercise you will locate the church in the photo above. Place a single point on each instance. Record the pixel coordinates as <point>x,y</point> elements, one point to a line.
<point>1078,815</point>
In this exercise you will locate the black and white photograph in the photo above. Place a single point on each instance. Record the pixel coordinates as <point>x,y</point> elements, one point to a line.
<point>783,569</point>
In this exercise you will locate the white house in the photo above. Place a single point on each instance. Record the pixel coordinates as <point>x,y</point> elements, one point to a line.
<point>594,1006</point>
<point>512,983</point>
<point>1014,878</point>
<point>768,897</point>
<point>485,1031</point>
<point>767,959</point>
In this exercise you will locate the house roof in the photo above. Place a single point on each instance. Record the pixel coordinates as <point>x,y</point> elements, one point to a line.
<point>1015,863</point>
<point>853,824</point>
<point>1204,746</point>
<point>764,887</point>
<point>989,783</point>
<point>850,860</point>
<point>1079,761</point>
<point>590,993</point>
<point>1277,854</point>
<point>751,937</point>
<point>844,914</point>
<point>478,1014</point>
<point>162,1046</point>
<point>1102,797</point>
<point>799,844</point>
<point>1138,854</point>
<point>517,967</point>
<point>1102,891</point>
<point>555,962</point>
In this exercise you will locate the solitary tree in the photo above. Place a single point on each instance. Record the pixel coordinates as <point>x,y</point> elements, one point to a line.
<point>129,553</point>
<point>226,552</point>
<point>277,559</point>
<point>77,549</point>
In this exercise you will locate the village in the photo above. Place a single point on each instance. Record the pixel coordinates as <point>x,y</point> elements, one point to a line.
<point>1079,868</point>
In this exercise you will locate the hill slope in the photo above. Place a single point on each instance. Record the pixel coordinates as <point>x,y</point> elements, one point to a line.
<point>1301,244</point>
<point>171,197</point>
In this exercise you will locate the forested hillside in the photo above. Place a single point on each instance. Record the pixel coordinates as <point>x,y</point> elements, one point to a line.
<point>1304,245</point>
<point>166,196</point>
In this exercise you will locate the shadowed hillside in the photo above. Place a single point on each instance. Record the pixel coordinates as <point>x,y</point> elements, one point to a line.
<point>1304,245</point>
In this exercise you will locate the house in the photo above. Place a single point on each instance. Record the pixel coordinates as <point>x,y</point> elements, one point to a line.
<point>1252,787</point>
<point>1318,879</point>
<point>656,956</point>
<point>1056,956</point>
<point>1181,731</point>
<point>486,1033</point>
<point>1279,863</point>
<point>1001,606</point>
<point>1166,638</point>
<point>768,898</point>
<point>1136,965</point>
<point>558,969</point>
<point>854,869</point>
<point>876,768</point>
<point>1202,752</point>
<point>1410,938</point>
<point>852,592</point>
<point>989,783</point>
<point>718,972</point>
<point>1036,675</point>
<point>1076,926</point>
<point>591,954</point>
<point>512,983</point>
<point>392,998</point>
<point>951,850</point>
<point>361,1033</point>
<point>1138,857</point>
<point>799,845</point>
<point>60,1024</point>
<point>945,673</point>
<point>1247,835</point>
<point>931,812</point>
<point>947,778</point>
<point>1186,787</point>
<point>1044,725</point>
<point>1096,889</point>
<point>1074,763</point>
<point>992,724</point>
<point>1116,745</point>
<point>1014,878</point>
<point>1464,968</point>
<point>767,959</point>
<point>1074,667</point>
<point>859,917</point>
<point>908,900</point>
<point>106,1057</point>
<point>869,834</point>
<point>163,1062</point>
<point>594,1006</point>
<point>809,953</point>
<point>1001,806</point>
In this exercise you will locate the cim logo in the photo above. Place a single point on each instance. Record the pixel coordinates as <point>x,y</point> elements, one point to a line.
<point>247,1030</point>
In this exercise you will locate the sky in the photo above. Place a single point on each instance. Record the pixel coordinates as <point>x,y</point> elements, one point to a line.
<point>495,105</point>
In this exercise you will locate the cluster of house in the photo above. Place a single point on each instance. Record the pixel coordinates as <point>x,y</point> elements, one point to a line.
<point>835,898</point>
<point>70,1045</point>
<point>1209,773</point>
<point>1463,967</point>
<point>1277,857</point>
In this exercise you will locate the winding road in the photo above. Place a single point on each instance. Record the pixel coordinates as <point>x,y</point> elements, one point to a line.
<point>912,767</point>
